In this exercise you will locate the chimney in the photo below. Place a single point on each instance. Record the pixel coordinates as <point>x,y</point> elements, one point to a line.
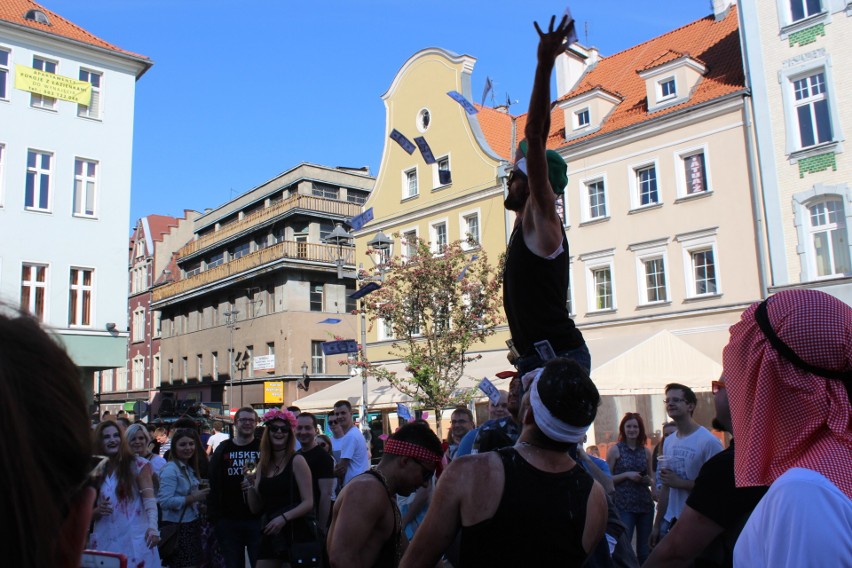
<point>571,65</point>
<point>721,7</point>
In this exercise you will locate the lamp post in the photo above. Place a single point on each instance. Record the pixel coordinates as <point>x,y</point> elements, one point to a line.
<point>241,361</point>
<point>382,243</point>
<point>231,323</point>
<point>305,382</point>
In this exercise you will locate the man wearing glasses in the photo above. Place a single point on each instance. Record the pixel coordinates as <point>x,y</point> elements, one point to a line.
<point>227,507</point>
<point>684,453</point>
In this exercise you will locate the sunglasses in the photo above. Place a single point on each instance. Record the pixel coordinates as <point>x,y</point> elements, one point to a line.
<point>716,386</point>
<point>273,428</point>
<point>427,473</point>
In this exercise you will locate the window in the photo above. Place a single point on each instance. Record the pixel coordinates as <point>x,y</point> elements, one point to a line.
<point>696,173</point>
<point>409,188</point>
<point>80,297</point>
<point>2,170</point>
<point>84,187</point>
<point>439,237</point>
<point>596,194</point>
<point>829,238</point>
<point>316,297</point>
<point>37,195</point>
<point>812,111</point>
<point>157,323</point>
<point>216,260</point>
<point>317,358</point>
<point>138,379</point>
<point>582,119</point>
<point>646,186</point>
<point>602,281</point>
<point>34,289</point>
<point>356,197</point>
<point>655,280</point>
<point>325,191</point>
<point>214,365</point>
<point>40,101</point>
<point>441,175</point>
<point>171,370</point>
<point>139,324</point>
<point>199,366</point>
<point>240,250</point>
<point>249,360</point>
<point>801,9</point>
<point>4,74</point>
<point>184,368</point>
<point>93,110</point>
<point>409,243</point>
<point>121,379</point>
<point>569,302</point>
<point>156,371</point>
<point>470,230</point>
<point>704,271</point>
<point>667,89</point>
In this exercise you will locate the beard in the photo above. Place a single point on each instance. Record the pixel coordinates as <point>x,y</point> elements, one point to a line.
<point>514,202</point>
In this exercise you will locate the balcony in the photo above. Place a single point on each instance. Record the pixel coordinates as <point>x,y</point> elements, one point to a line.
<point>293,250</point>
<point>308,203</point>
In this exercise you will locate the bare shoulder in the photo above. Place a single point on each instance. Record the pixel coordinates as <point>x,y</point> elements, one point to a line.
<point>363,490</point>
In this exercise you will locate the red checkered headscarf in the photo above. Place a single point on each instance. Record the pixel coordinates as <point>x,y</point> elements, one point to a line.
<point>785,367</point>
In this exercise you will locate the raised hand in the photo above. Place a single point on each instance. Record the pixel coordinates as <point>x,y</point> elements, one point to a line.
<point>552,43</point>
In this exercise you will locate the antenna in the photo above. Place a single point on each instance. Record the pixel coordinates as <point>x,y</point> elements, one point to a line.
<point>586,30</point>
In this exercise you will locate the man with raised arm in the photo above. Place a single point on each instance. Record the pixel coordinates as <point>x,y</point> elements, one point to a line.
<point>535,279</point>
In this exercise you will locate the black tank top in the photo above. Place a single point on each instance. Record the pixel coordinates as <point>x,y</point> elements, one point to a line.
<point>535,296</point>
<point>280,492</point>
<point>540,519</point>
<point>389,554</point>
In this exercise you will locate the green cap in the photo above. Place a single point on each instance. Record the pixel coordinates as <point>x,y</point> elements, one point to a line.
<point>557,169</point>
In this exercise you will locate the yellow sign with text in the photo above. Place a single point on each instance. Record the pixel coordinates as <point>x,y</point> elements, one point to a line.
<point>273,392</point>
<point>52,85</point>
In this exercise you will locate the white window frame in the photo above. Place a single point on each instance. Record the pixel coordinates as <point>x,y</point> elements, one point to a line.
<point>2,173</point>
<point>5,69</point>
<point>156,371</point>
<point>79,289</point>
<point>138,324</point>
<point>578,117</point>
<point>93,111</point>
<point>199,366</point>
<point>801,212</point>
<point>406,183</point>
<point>636,186</point>
<point>811,82</point>
<point>680,157</point>
<point>156,315</point>
<point>662,96</point>
<point>433,235</point>
<point>87,183</point>
<point>572,306</point>
<point>647,252</point>
<point>828,228</point>
<point>464,223</point>
<point>38,171</point>
<point>41,101</point>
<point>384,332</point>
<point>406,249</point>
<point>696,242</point>
<point>787,77</point>
<point>586,212</point>
<point>121,379</point>
<point>436,168</point>
<point>214,365</point>
<point>785,15</point>
<point>594,262</point>
<point>34,285</point>
<point>318,362</point>
<point>137,381</point>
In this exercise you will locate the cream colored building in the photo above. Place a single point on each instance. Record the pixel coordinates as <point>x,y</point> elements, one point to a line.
<point>665,251</point>
<point>798,76</point>
<point>257,281</point>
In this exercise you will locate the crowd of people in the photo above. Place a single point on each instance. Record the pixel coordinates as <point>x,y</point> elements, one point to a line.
<point>518,490</point>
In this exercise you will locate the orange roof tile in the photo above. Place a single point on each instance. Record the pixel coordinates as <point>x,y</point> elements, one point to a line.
<point>160,225</point>
<point>497,128</point>
<point>714,43</point>
<point>13,11</point>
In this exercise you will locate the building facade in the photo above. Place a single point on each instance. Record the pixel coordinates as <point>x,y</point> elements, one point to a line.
<point>66,105</point>
<point>659,210</point>
<point>153,242</point>
<point>250,299</point>
<point>794,55</point>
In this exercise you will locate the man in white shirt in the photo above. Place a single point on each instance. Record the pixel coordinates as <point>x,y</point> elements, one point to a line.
<point>684,452</point>
<point>217,437</point>
<point>354,458</point>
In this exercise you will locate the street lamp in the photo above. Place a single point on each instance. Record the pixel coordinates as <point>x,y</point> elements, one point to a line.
<point>339,237</point>
<point>231,323</point>
<point>242,361</point>
<point>305,381</point>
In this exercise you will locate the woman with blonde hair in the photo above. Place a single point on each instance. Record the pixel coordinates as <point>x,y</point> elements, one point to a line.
<point>283,491</point>
<point>139,440</point>
<point>125,515</point>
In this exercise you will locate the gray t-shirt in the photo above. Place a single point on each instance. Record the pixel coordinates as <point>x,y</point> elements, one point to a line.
<point>686,456</point>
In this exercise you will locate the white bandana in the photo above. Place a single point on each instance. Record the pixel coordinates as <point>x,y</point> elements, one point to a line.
<point>521,165</point>
<point>551,426</point>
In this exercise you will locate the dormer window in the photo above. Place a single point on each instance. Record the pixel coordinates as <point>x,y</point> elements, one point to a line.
<point>37,16</point>
<point>581,118</point>
<point>667,89</point>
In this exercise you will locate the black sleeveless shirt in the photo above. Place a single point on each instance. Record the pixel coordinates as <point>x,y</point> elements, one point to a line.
<point>535,296</point>
<point>539,522</point>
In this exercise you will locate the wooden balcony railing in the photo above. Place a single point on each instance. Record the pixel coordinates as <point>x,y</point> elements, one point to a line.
<point>311,252</point>
<point>309,202</point>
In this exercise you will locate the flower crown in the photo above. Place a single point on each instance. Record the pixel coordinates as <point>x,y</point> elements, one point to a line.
<point>278,414</point>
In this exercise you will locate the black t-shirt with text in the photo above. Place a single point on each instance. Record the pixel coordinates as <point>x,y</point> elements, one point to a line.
<point>226,498</point>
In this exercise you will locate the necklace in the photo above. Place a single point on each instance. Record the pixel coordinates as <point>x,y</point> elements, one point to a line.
<point>277,466</point>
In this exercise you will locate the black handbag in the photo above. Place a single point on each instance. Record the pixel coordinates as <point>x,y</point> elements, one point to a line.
<point>300,540</point>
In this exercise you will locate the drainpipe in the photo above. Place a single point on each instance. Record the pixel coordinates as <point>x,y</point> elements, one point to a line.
<point>756,195</point>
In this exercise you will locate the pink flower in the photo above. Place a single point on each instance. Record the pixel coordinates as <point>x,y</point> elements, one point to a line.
<point>278,414</point>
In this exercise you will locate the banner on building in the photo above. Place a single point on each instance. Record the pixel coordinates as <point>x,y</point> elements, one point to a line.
<point>264,363</point>
<point>273,392</point>
<point>52,85</point>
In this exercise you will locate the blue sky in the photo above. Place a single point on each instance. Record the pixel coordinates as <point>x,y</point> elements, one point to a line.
<point>241,91</point>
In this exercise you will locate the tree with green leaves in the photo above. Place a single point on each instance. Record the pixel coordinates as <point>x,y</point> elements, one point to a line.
<point>436,305</point>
